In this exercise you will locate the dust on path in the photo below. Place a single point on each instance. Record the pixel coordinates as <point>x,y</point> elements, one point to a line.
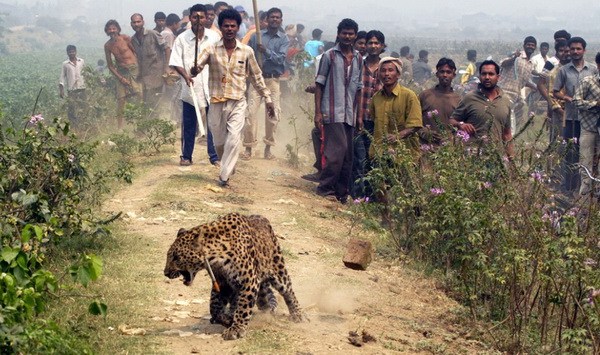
<point>403,310</point>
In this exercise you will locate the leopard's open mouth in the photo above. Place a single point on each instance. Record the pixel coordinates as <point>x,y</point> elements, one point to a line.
<point>188,277</point>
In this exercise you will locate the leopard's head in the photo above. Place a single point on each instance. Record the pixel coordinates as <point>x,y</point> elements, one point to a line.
<point>184,257</point>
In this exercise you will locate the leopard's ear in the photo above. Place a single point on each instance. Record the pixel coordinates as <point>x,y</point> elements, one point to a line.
<point>181,231</point>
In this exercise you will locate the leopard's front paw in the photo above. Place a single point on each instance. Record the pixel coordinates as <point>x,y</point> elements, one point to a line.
<point>234,332</point>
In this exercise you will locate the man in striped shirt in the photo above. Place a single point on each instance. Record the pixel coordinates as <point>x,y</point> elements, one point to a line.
<point>587,101</point>
<point>337,93</point>
<point>231,64</point>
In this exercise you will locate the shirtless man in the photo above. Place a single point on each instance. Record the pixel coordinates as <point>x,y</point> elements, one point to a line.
<point>124,68</point>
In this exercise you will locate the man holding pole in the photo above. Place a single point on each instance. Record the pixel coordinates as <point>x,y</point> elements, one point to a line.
<point>231,65</point>
<point>194,91</point>
<point>272,60</point>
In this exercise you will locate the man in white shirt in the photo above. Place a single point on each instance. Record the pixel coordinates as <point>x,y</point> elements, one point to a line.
<point>182,60</point>
<point>71,77</point>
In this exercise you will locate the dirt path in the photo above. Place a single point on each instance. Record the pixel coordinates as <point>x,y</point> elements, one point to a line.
<point>399,307</point>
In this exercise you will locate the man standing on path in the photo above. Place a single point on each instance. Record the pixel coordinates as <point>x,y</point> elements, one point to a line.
<point>150,50</point>
<point>337,93</point>
<point>124,68</point>
<point>485,112</point>
<point>567,80</point>
<point>231,64</point>
<point>182,60</point>
<point>71,76</point>
<point>272,51</point>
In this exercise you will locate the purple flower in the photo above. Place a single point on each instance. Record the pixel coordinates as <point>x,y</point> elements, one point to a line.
<point>71,158</point>
<point>36,118</point>
<point>590,262</point>
<point>573,140</point>
<point>361,200</point>
<point>464,136</point>
<point>531,114</point>
<point>436,191</point>
<point>426,147</point>
<point>487,185</point>
<point>538,176</point>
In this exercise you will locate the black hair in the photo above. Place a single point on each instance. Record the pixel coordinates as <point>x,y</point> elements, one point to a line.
<point>423,54</point>
<point>598,58</point>
<point>471,54</point>
<point>347,24</point>
<point>71,47</point>
<point>489,62</point>
<point>317,32</point>
<point>377,34</point>
<point>446,61</point>
<point>577,40</point>
<point>395,54</point>
<point>560,44</point>
<point>404,51</point>
<point>274,9</point>
<point>220,3</point>
<point>328,45</point>
<point>198,8</point>
<point>361,35</point>
<point>229,14</point>
<point>562,34</point>
<point>544,44</point>
<point>112,23</point>
<point>300,27</point>
<point>137,14</point>
<point>530,39</point>
<point>160,16</point>
<point>172,19</point>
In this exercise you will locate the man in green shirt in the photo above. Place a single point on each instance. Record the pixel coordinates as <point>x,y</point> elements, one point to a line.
<point>396,112</point>
<point>485,112</point>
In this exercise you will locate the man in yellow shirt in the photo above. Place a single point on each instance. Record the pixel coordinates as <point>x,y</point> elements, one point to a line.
<point>396,112</point>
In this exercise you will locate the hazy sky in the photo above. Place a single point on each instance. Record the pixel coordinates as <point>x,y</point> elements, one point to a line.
<point>388,15</point>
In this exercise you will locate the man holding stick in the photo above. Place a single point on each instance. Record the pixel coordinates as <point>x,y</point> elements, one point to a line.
<point>194,90</point>
<point>231,65</point>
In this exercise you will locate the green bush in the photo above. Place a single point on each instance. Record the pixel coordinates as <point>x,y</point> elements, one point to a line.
<point>48,190</point>
<point>511,250</point>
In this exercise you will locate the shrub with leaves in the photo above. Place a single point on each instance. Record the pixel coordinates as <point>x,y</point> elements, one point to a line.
<point>154,132</point>
<point>511,249</point>
<point>48,189</point>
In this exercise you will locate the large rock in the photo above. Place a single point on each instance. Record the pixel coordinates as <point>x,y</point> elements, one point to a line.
<point>359,254</point>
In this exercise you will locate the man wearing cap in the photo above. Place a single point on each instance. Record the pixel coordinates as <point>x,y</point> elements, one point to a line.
<point>396,112</point>
<point>337,93</point>
<point>273,50</point>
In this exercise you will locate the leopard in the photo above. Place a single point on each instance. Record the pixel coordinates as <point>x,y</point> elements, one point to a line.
<point>246,259</point>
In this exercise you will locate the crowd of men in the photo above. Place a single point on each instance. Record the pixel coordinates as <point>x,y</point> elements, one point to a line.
<point>363,107</point>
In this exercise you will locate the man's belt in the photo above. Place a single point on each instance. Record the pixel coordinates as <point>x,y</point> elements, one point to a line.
<point>271,76</point>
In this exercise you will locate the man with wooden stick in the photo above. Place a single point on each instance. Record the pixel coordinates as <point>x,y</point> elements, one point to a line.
<point>231,65</point>
<point>273,50</point>
<point>183,58</point>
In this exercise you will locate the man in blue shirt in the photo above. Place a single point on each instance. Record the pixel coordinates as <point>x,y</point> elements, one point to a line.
<point>271,55</point>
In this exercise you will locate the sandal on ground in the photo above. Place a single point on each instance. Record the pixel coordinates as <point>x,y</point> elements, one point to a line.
<point>246,156</point>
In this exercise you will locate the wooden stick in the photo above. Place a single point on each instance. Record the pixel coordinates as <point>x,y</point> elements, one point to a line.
<point>257,33</point>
